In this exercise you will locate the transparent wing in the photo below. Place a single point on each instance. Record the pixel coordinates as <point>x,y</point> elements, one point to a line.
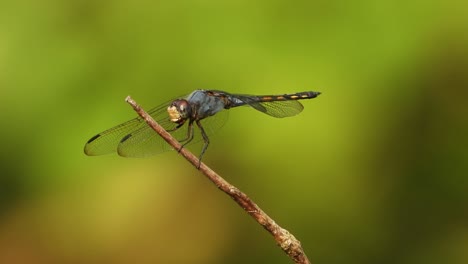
<point>108,141</point>
<point>277,109</point>
<point>146,142</point>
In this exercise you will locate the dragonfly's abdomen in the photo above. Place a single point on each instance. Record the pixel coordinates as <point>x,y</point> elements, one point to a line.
<point>239,100</point>
<point>285,97</point>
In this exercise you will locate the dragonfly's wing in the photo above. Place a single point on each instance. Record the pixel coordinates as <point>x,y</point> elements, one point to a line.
<point>108,141</point>
<point>146,142</point>
<point>135,138</point>
<point>212,124</point>
<point>274,108</point>
<point>279,108</point>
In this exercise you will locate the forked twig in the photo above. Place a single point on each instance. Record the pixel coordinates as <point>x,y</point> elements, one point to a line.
<point>285,240</point>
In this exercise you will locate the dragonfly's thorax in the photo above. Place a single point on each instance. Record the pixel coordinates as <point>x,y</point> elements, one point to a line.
<point>179,111</point>
<point>205,103</point>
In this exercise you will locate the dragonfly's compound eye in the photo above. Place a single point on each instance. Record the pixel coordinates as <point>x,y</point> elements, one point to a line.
<point>179,111</point>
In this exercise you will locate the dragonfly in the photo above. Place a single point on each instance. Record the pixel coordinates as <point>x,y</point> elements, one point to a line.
<point>205,109</point>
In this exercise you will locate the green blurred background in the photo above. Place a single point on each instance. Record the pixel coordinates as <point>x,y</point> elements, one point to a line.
<point>372,171</point>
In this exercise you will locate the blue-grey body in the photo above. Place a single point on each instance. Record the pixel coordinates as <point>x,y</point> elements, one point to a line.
<point>205,105</point>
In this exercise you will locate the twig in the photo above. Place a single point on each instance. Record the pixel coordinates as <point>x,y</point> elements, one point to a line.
<point>285,240</point>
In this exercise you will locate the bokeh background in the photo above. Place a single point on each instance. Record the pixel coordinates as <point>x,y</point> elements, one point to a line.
<point>372,171</point>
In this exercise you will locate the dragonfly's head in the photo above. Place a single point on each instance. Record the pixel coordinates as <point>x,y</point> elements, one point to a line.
<point>179,111</point>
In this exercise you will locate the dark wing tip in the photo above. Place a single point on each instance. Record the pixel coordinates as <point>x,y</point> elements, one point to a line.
<point>93,138</point>
<point>120,150</point>
<point>125,138</point>
<point>87,149</point>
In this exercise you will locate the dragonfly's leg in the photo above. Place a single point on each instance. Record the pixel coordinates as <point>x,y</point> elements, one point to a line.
<point>189,133</point>
<point>189,136</point>
<point>205,146</point>
<point>175,128</point>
